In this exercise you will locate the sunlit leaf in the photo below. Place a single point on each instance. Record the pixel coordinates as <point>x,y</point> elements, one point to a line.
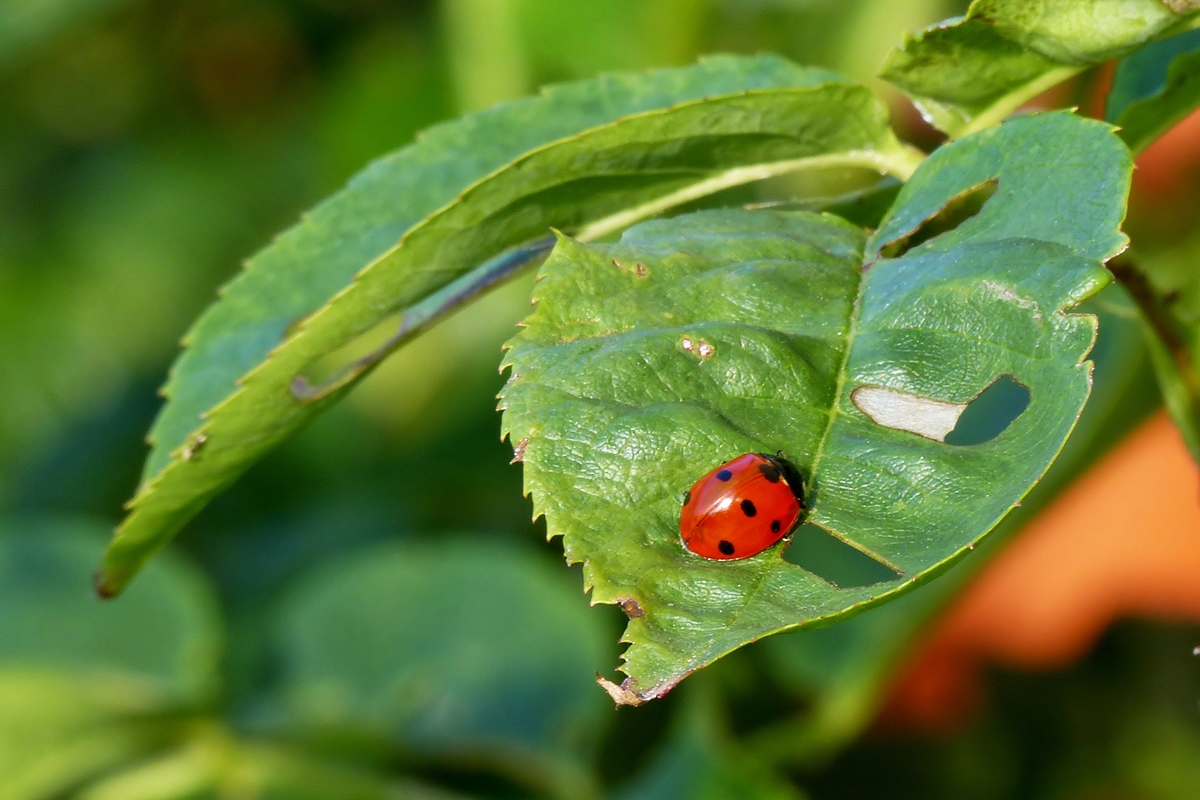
<point>590,157</point>
<point>617,409</point>
<point>969,73</point>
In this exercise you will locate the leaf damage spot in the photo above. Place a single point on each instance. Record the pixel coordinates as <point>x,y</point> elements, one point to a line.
<point>640,270</point>
<point>991,412</point>
<point>835,561</point>
<point>1009,296</point>
<point>697,347</point>
<point>631,607</point>
<point>191,450</point>
<point>901,411</point>
<point>957,210</point>
<point>519,451</point>
<point>622,695</point>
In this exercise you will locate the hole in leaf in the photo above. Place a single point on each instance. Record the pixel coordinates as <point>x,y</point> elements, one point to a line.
<point>829,558</point>
<point>990,414</point>
<point>902,411</point>
<point>958,210</point>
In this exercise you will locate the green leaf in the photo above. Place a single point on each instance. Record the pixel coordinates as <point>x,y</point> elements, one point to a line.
<point>969,73</point>
<point>460,646</point>
<point>77,677</point>
<point>617,408</point>
<point>1154,88</point>
<point>590,157</point>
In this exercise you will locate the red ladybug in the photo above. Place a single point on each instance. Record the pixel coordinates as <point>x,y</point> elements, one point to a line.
<point>739,509</point>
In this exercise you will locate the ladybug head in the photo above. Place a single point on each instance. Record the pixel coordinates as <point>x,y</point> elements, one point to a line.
<point>792,475</point>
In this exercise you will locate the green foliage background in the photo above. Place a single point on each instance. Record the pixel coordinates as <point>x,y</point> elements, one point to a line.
<point>148,146</point>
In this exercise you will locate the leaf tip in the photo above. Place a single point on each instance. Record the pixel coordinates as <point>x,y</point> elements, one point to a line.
<point>105,585</point>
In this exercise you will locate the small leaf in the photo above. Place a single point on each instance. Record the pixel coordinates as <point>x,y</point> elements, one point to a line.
<point>970,73</point>
<point>590,157</point>
<point>1154,88</point>
<point>799,312</point>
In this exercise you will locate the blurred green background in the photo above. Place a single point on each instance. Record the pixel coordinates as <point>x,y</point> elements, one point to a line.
<point>369,612</point>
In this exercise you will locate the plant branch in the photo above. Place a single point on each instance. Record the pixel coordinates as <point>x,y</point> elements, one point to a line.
<point>1158,319</point>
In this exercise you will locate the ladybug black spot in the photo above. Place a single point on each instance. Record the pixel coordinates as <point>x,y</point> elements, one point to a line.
<point>725,547</point>
<point>724,475</point>
<point>687,497</point>
<point>748,508</point>
<point>774,526</point>
<point>770,472</point>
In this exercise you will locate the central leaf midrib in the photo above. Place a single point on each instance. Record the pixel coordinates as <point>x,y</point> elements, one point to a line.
<point>840,383</point>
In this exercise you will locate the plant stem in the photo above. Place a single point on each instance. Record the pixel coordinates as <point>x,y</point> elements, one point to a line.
<point>1159,320</point>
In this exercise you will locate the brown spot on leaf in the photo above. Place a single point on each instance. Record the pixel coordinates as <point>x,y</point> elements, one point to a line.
<point>640,270</point>
<point>632,608</point>
<point>697,346</point>
<point>192,449</point>
<point>519,451</point>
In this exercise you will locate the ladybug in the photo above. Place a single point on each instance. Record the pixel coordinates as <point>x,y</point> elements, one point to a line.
<point>740,508</point>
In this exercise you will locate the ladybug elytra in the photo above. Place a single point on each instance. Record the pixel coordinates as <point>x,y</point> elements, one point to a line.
<point>739,509</point>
